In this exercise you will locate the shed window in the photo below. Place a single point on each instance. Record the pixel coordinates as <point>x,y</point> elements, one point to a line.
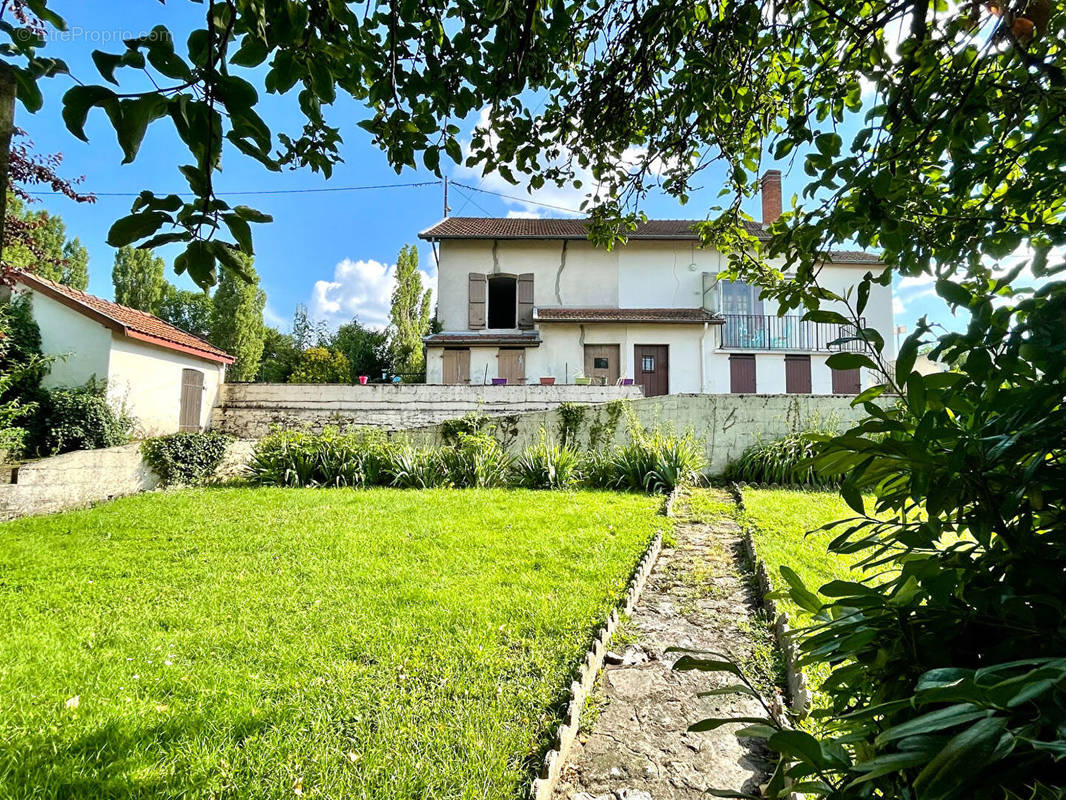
<point>503,295</point>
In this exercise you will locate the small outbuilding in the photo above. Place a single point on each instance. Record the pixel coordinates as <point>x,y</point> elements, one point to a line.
<point>166,378</point>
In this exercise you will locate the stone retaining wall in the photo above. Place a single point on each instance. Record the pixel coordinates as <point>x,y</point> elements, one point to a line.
<point>726,423</point>
<point>248,410</point>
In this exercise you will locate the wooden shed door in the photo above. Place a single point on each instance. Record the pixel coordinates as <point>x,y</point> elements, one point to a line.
<point>512,365</point>
<point>798,374</point>
<point>457,366</point>
<point>192,398</point>
<point>846,381</point>
<point>601,363</point>
<point>651,368</point>
<point>742,374</point>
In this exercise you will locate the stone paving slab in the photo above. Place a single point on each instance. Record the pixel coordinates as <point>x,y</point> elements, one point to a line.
<point>637,747</point>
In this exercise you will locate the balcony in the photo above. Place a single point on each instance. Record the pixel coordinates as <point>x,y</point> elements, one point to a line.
<point>761,332</point>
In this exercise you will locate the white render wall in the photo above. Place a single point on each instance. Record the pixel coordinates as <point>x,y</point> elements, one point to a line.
<point>146,380</point>
<point>83,346</point>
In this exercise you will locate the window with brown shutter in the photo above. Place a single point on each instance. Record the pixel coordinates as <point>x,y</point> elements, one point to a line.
<point>742,374</point>
<point>477,287</point>
<point>525,300</point>
<point>798,374</point>
<point>847,381</point>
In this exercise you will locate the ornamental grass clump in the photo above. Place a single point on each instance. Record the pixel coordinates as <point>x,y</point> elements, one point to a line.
<point>301,458</point>
<point>547,465</point>
<point>407,467</point>
<point>475,461</point>
<point>787,461</point>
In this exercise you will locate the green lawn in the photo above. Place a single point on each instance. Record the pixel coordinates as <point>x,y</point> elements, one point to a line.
<point>318,643</point>
<point>780,520</point>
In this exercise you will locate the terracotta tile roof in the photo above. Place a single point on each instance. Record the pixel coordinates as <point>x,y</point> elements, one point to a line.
<point>546,228</point>
<point>124,320</point>
<point>487,339</point>
<point>624,315</point>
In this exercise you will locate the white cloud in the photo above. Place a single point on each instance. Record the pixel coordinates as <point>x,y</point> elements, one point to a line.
<point>360,289</point>
<point>549,200</point>
<point>513,214</point>
<point>273,318</point>
<point>914,281</point>
<point>897,306</point>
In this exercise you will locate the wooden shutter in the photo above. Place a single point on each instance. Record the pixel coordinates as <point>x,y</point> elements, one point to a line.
<point>798,374</point>
<point>192,398</point>
<point>525,300</point>
<point>457,366</point>
<point>477,289</point>
<point>742,374</point>
<point>846,381</point>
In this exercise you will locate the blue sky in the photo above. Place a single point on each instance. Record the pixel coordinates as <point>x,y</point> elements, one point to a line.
<point>329,250</point>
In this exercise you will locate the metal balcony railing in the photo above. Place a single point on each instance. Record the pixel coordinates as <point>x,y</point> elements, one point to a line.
<point>761,332</point>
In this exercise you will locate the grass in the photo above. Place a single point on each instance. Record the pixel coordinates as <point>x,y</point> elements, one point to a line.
<point>281,643</point>
<point>780,520</point>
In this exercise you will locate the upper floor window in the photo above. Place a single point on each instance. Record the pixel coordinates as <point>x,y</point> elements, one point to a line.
<point>740,299</point>
<point>503,296</point>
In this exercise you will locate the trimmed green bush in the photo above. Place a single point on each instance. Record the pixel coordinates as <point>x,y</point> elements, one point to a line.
<point>185,458</point>
<point>81,419</point>
<point>547,466</point>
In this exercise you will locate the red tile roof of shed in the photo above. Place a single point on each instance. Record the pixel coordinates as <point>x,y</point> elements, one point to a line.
<point>124,320</point>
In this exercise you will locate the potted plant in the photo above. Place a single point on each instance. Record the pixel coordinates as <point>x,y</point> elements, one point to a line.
<point>499,381</point>
<point>363,379</point>
<point>546,381</point>
<point>582,380</point>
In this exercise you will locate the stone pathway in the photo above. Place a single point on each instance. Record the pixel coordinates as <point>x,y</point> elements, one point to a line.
<point>634,744</point>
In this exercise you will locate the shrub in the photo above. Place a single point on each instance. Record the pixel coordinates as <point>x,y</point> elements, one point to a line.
<point>407,467</point>
<point>187,458</point>
<point>787,461</point>
<point>656,462</point>
<point>476,460</point>
<point>547,466</point>
<point>22,366</point>
<point>321,365</point>
<point>301,458</point>
<point>81,419</point>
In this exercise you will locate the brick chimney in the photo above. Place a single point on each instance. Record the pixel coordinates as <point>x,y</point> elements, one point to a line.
<point>771,196</point>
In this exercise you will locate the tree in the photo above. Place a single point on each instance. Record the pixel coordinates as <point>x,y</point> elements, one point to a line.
<point>321,365</point>
<point>365,349</point>
<point>48,253</point>
<point>190,311</point>
<point>279,356</point>
<point>237,319</point>
<point>138,279</point>
<point>307,332</point>
<point>409,314</point>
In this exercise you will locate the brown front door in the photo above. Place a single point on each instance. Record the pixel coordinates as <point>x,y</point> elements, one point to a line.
<point>798,374</point>
<point>742,374</point>
<point>601,363</point>
<point>846,381</point>
<point>651,368</point>
<point>512,364</point>
<point>192,398</point>
<point>457,366</point>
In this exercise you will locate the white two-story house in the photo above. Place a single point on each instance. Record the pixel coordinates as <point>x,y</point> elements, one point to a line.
<point>531,299</point>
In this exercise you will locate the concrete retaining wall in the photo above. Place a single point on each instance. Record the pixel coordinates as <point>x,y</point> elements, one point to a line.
<point>726,423</point>
<point>249,409</point>
<point>75,479</point>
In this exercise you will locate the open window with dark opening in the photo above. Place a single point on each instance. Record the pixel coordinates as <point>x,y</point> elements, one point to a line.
<point>503,295</point>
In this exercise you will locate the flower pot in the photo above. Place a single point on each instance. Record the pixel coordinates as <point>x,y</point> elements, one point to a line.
<point>499,381</point>
<point>582,381</point>
<point>547,381</point>
<point>363,379</point>
<point>627,381</point>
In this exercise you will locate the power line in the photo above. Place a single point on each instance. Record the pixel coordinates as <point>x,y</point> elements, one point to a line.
<point>271,191</point>
<point>470,199</point>
<point>516,198</point>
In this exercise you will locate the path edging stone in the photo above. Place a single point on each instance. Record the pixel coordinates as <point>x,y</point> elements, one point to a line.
<point>543,786</point>
<point>799,691</point>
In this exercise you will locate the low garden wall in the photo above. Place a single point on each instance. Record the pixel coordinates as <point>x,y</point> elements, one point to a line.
<point>248,410</point>
<point>727,424</point>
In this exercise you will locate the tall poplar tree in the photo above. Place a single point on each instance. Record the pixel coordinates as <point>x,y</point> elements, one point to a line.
<point>409,314</point>
<point>237,319</point>
<point>138,279</point>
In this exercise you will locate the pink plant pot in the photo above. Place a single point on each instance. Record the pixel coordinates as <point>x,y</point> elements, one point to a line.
<point>363,379</point>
